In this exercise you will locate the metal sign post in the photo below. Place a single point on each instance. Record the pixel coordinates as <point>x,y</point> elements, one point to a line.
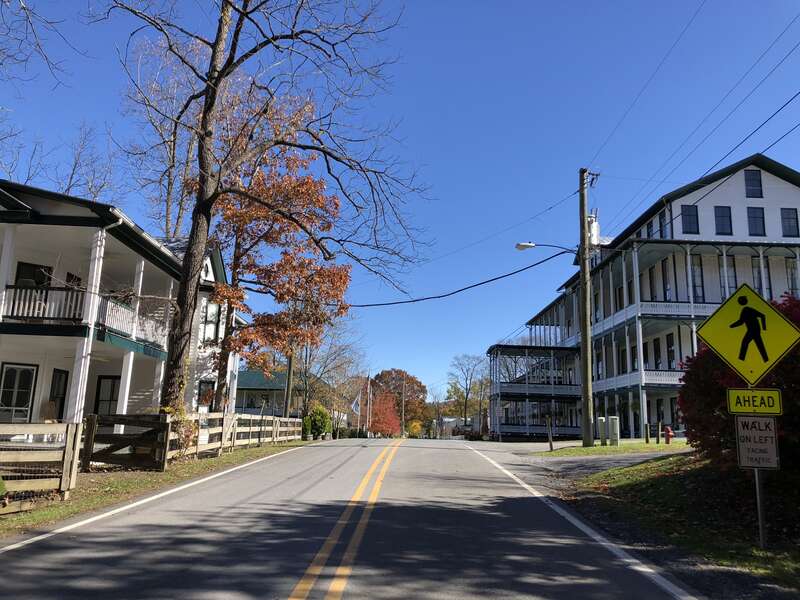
<point>752,337</point>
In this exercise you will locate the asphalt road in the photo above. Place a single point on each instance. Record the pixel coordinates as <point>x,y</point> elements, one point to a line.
<point>372,519</point>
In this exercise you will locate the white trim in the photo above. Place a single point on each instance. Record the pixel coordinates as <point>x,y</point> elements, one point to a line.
<point>632,563</point>
<point>137,503</point>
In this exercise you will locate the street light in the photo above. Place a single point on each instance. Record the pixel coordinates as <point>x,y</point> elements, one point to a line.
<point>529,245</point>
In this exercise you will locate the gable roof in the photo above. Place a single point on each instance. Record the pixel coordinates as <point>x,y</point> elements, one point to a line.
<point>178,247</point>
<point>125,230</point>
<point>759,160</point>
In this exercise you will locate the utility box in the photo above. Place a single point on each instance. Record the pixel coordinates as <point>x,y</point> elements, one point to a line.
<point>601,430</point>
<point>613,431</point>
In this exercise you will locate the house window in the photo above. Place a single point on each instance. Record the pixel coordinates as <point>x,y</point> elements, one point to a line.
<point>630,291</point>
<point>755,220</point>
<point>17,382</point>
<point>634,359</point>
<point>756,269</point>
<point>31,275</point>
<point>789,222</point>
<point>671,365</point>
<point>657,354</point>
<point>645,355</point>
<point>620,299</point>
<point>105,400</point>
<point>651,276</point>
<point>205,392</point>
<point>209,329</point>
<point>662,225</point>
<point>732,283</point>
<point>698,289</point>
<point>689,221</point>
<point>666,288</point>
<point>791,275</point>
<point>722,220</point>
<point>649,229</point>
<point>752,183</point>
<point>622,360</point>
<point>596,307</point>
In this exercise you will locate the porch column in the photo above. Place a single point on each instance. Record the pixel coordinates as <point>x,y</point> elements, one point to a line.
<point>614,352</point>
<point>630,414</point>
<point>690,289</point>
<point>616,404</point>
<point>725,273</point>
<point>6,263</point>
<point>83,347</point>
<point>642,410</point>
<point>763,274</point>
<point>605,405</point>
<point>625,299</point>
<point>602,307</point>
<point>127,360</point>
<point>158,379</point>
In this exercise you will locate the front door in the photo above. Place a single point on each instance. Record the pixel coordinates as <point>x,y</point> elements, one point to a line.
<point>105,402</point>
<point>17,383</point>
<point>58,392</point>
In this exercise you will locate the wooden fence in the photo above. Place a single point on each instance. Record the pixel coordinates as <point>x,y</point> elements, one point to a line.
<point>36,460</point>
<point>150,441</point>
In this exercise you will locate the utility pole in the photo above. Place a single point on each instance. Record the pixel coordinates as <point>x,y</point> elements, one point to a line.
<point>403,409</point>
<point>287,395</point>
<point>584,254</point>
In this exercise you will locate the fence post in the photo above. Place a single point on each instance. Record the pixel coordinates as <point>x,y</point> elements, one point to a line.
<point>647,433</point>
<point>233,431</point>
<point>69,464</point>
<point>197,436</point>
<point>88,442</point>
<point>166,431</point>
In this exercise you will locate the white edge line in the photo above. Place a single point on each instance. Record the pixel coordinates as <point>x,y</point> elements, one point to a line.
<point>629,561</point>
<point>127,507</point>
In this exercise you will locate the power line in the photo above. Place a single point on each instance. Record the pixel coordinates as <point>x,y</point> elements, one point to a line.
<point>726,179</point>
<point>502,231</point>
<point>463,289</point>
<point>742,141</point>
<point>646,84</point>
<point>705,119</point>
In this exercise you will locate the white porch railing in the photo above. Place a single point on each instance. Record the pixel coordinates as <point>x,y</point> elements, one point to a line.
<point>620,381</point>
<point>152,330</point>
<point>540,389</point>
<point>684,309</point>
<point>115,315</point>
<point>31,302</point>
<point>663,377</point>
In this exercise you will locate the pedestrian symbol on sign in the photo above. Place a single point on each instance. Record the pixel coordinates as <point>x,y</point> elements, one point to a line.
<point>749,334</point>
<point>754,322</point>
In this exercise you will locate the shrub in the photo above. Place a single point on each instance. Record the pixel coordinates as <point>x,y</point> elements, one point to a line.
<point>320,420</point>
<point>703,402</point>
<point>306,427</point>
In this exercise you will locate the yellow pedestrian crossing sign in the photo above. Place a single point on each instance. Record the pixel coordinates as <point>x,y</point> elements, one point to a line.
<point>749,334</point>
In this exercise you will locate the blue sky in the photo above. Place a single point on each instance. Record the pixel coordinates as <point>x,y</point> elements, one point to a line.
<point>499,104</point>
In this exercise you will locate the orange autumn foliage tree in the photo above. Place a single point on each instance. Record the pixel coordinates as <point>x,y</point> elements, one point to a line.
<point>385,419</point>
<point>271,236</point>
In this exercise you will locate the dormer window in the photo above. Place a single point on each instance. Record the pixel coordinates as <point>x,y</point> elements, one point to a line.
<point>209,329</point>
<point>752,183</point>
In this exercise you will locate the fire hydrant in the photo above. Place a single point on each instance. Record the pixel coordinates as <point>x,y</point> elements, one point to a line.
<point>668,434</point>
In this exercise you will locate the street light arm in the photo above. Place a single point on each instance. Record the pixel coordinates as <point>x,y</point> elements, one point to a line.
<point>529,245</point>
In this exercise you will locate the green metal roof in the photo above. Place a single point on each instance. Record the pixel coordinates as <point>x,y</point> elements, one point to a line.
<point>252,379</point>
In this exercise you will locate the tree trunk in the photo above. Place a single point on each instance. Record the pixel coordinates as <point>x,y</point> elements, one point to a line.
<point>180,336</point>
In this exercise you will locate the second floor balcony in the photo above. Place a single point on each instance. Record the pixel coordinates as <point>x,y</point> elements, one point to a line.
<point>65,305</point>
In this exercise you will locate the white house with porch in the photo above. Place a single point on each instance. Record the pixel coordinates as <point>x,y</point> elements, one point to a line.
<point>652,285</point>
<point>84,311</point>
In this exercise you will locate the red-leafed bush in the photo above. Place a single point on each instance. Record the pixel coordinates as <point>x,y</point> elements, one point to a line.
<point>702,400</point>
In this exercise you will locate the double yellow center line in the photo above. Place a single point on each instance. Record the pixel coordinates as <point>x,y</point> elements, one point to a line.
<point>314,570</point>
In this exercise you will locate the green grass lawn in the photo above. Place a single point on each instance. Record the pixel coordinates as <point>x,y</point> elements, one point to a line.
<point>706,511</point>
<point>625,446</point>
<point>101,489</point>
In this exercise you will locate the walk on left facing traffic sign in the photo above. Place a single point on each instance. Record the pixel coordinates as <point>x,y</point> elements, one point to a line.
<point>749,334</point>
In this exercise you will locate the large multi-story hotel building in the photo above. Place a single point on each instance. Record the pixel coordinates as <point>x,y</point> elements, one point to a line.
<point>652,285</point>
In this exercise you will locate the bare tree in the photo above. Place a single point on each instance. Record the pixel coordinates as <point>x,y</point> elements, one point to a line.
<point>89,172</point>
<point>463,373</point>
<point>161,157</point>
<point>317,52</point>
